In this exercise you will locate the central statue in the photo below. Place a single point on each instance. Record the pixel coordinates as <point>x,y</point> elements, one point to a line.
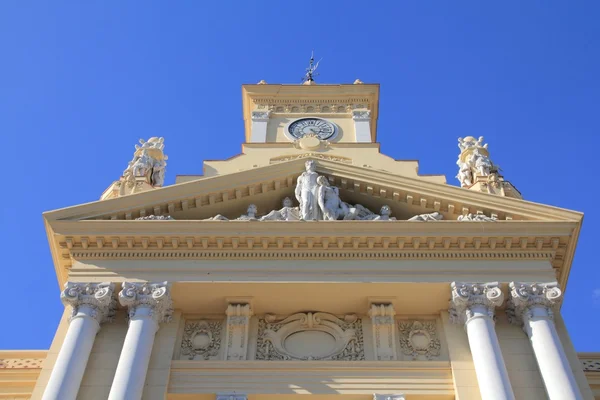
<point>306,193</point>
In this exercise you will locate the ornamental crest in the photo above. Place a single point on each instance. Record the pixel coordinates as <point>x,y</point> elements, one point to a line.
<point>310,336</point>
<point>419,339</point>
<point>201,340</point>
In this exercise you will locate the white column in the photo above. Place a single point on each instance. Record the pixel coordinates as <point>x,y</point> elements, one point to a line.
<point>384,331</point>
<point>258,131</point>
<point>362,125</point>
<point>238,322</point>
<point>149,304</point>
<point>473,304</point>
<point>532,305</point>
<point>91,304</point>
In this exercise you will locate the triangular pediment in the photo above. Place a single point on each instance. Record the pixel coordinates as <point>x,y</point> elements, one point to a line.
<point>267,186</point>
<point>109,228</point>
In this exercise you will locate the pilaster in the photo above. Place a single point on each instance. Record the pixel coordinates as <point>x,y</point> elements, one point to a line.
<point>260,120</point>
<point>362,125</point>
<point>238,322</point>
<point>384,331</point>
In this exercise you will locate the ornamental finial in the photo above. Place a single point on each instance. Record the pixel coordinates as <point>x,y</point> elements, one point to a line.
<point>307,79</point>
<point>477,172</point>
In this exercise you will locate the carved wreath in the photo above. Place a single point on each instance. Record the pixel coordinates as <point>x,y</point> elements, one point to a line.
<point>201,339</point>
<point>419,338</point>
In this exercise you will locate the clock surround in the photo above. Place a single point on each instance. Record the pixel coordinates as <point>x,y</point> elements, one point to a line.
<point>311,126</point>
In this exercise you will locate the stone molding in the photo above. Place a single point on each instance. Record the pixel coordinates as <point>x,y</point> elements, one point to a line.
<point>260,115</point>
<point>388,397</point>
<point>384,331</point>
<point>232,396</point>
<point>238,322</point>
<point>153,296</point>
<point>466,296</point>
<point>98,297</point>
<point>525,296</point>
<point>21,363</point>
<point>590,365</point>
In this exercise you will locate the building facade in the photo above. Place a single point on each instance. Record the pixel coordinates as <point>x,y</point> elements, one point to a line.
<point>309,265</point>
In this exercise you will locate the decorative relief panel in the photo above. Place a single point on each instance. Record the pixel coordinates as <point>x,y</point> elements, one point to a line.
<point>418,339</point>
<point>310,336</point>
<point>201,340</point>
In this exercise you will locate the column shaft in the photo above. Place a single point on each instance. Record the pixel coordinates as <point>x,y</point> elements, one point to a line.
<point>492,376</point>
<point>130,375</point>
<point>551,358</point>
<point>73,356</point>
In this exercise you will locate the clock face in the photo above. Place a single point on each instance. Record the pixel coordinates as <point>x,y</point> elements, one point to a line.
<point>312,127</point>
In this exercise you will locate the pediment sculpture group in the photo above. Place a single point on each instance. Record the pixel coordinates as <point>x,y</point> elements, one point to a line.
<point>320,201</point>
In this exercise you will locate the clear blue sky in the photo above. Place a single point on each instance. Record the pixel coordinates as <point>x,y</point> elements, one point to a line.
<point>81,82</point>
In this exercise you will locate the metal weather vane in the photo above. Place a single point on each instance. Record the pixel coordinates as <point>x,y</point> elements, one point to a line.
<point>312,67</point>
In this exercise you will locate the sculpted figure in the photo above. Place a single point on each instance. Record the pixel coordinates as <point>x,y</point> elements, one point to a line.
<point>250,214</point>
<point>158,173</point>
<point>476,217</point>
<point>465,176</point>
<point>287,213</point>
<point>306,192</point>
<point>148,161</point>
<point>217,217</point>
<point>481,163</point>
<point>434,216</point>
<point>384,215</point>
<point>332,207</point>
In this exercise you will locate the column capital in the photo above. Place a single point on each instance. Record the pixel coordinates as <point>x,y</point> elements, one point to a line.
<point>260,115</point>
<point>382,314</point>
<point>361,115</point>
<point>238,312</point>
<point>98,297</point>
<point>155,297</point>
<point>466,296</point>
<point>525,297</point>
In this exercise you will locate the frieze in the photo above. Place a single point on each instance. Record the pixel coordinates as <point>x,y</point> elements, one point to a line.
<point>326,157</point>
<point>310,336</point>
<point>201,340</point>
<point>418,339</point>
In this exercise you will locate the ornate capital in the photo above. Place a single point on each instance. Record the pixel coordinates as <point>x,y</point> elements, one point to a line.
<point>525,297</point>
<point>382,314</point>
<point>466,297</point>
<point>155,297</point>
<point>260,115</point>
<point>98,297</point>
<point>364,115</point>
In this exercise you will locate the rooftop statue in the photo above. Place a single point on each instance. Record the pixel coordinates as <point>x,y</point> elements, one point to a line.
<point>148,162</point>
<point>473,161</point>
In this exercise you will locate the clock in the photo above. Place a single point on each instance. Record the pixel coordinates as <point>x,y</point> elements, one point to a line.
<point>315,127</point>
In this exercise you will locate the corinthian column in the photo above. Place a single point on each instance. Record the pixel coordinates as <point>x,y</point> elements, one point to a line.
<point>532,305</point>
<point>149,304</point>
<point>91,305</point>
<point>473,304</point>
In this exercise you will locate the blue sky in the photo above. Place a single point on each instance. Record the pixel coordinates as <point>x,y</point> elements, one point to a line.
<point>81,82</point>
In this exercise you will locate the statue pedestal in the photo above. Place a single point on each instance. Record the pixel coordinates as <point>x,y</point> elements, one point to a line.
<point>124,186</point>
<point>496,185</point>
